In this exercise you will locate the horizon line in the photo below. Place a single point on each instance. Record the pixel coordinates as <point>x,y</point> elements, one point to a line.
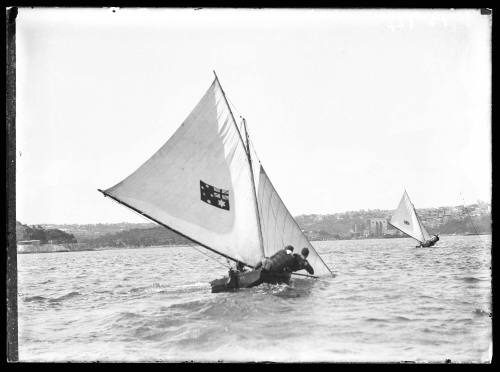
<point>298,215</point>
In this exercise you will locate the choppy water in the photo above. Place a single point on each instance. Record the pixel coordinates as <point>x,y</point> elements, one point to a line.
<point>388,302</point>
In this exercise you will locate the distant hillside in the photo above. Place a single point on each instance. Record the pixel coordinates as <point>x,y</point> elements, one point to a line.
<point>37,232</point>
<point>460,226</point>
<point>341,225</point>
<point>89,232</point>
<point>141,237</point>
<point>444,220</point>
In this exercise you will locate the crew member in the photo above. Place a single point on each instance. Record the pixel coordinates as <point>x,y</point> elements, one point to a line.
<point>278,262</point>
<point>430,242</point>
<point>240,267</point>
<point>233,281</point>
<point>300,262</point>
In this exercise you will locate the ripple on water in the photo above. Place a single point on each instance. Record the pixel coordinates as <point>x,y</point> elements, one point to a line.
<point>380,320</point>
<point>470,279</point>
<point>126,316</point>
<point>363,313</point>
<point>35,299</point>
<point>65,297</point>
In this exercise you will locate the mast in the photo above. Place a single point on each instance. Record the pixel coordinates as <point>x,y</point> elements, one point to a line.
<point>420,225</point>
<point>247,150</point>
<point>261,239</point>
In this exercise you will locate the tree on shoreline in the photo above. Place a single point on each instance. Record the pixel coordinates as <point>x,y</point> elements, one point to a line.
<point>45,236</point>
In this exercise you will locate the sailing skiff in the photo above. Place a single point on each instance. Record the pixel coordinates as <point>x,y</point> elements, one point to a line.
<point>406,219</point>
<point>207,184</point>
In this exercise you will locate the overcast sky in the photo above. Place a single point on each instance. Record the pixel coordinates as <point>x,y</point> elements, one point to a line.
<point>346,108</point>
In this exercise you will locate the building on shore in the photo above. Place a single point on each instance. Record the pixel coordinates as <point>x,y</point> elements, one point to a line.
<point>377,226</point>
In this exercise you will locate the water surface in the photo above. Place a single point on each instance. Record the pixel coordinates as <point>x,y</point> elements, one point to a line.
<point>389,301</point>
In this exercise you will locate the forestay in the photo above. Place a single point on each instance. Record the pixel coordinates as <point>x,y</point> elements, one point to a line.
<point>405,218</point>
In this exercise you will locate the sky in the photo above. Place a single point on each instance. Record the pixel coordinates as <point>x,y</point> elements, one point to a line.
<point>345,108</point>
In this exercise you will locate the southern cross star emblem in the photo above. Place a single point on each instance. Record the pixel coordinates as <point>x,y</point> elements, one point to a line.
<point>214,196</point>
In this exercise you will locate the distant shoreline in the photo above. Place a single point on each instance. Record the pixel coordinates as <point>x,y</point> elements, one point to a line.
<point>109,248</point>
<point>395,237</point>
<point>42,249</point>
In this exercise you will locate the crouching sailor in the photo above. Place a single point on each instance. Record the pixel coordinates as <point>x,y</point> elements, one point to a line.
<point>278,262</point>
<point>430,242</point>
<point>286,261</point>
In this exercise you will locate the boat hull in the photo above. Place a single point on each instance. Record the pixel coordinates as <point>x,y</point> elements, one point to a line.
<point>248,279</point>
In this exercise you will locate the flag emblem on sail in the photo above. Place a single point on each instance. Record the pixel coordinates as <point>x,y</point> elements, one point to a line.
<point>214,196</point>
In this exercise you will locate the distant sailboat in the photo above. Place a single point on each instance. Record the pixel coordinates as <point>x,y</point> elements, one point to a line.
<point>206,184</point>
<point>406,219</point>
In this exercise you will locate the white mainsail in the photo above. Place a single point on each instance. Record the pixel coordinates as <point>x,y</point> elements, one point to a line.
<point>205,150</point>
<point>200,184</point>
<point>405,218</point>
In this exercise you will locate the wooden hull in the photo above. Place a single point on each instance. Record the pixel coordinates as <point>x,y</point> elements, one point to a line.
<point>248,279</point>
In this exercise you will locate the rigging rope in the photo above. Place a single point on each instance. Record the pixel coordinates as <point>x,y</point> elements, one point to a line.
<point>470,217</point>
<point>212,258</point>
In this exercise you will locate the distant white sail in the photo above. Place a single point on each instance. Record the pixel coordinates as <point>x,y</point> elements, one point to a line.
<point>280,229</point>
<point>205,153</point>
<point>405,218</point>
